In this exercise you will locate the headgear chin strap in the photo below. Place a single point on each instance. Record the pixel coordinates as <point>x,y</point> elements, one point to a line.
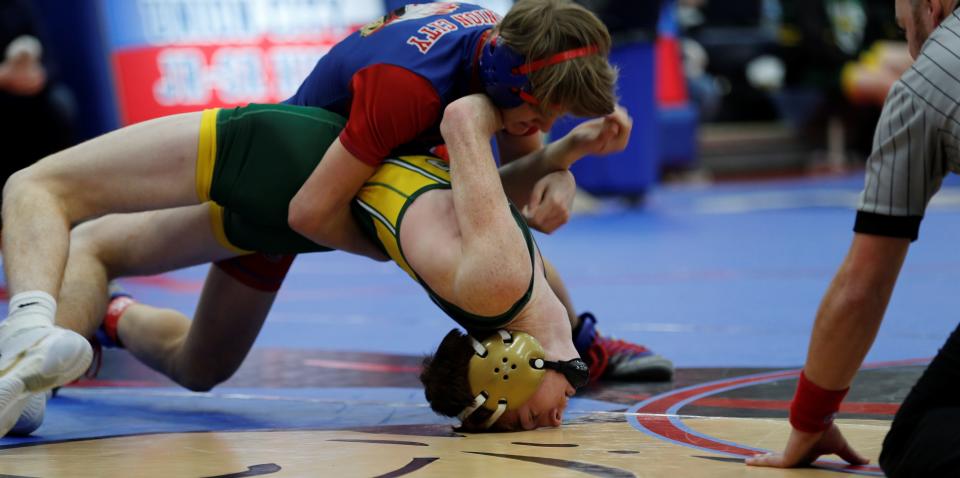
<point>507,369</point>
<point>575,370</point>
<point>504,71</point>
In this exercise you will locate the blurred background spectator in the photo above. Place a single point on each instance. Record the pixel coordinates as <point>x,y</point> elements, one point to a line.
<point>38,111</point>
<point>722,39</point>
<point>842,56</point>
<point>801,81</point>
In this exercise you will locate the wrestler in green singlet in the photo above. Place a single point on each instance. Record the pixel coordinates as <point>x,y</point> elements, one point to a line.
<point>252,160</point>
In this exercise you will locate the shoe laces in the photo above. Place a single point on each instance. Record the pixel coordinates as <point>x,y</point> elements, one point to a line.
<point>603,349</point>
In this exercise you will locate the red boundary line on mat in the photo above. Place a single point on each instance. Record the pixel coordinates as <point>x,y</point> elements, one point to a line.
<point>871,408</point>
<point>868,408</point>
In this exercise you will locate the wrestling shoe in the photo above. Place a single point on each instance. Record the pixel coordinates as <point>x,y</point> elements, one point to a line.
<point>32,416</point>
<point>616,359</point>
<point>35,357</point>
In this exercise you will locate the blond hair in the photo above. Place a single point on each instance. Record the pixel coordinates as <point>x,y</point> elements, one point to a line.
<point>538,29</point>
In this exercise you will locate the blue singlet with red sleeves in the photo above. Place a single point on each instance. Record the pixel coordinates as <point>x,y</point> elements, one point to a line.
<point>393,78</point>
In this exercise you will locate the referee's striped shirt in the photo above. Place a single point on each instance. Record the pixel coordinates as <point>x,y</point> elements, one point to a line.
<point>917,141</point>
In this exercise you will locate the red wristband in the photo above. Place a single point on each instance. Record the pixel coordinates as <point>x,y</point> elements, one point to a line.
<point>813,407</point>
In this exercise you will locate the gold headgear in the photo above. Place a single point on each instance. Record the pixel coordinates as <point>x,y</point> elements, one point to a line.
<point>504,373</point>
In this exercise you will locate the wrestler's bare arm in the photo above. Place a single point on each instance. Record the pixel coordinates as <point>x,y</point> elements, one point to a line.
<point>494,270</point>
<point>540,184</point>
<point>320,210</point>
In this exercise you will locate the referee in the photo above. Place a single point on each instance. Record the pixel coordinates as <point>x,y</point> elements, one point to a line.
<point>915,145</point>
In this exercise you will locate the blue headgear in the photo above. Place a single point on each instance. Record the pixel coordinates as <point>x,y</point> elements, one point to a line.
<point>503,71</point>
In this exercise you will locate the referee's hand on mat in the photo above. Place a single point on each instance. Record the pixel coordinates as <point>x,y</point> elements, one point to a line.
<point>804,448</point>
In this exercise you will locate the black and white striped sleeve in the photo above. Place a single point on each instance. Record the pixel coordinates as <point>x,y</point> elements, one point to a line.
<point>907,164</point>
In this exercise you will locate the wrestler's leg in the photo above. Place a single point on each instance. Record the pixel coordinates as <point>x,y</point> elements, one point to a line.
<point>146,166</point>
<point>142,167</point>
<point>196,354</point>
<point>120,245</point>
<point>225,325</point>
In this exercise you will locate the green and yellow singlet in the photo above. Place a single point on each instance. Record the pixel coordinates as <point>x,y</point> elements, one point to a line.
<point>380,207</point>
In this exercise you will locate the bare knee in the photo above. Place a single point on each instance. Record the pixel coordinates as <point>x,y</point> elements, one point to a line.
<point>197,371</point>
<point>197,384</point>
<point>31,189</point>
<point>87,244</point>
<point>159,338</point>
<point>52,186</point>
<point>99,240</point>
<point>20,187</point>
<point>197,375</point>
<point>197,379</point>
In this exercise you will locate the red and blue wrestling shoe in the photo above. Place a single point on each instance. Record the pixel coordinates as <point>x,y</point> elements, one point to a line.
<point>616,359</point>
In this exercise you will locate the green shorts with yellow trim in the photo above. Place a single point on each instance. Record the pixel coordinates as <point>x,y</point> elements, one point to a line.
<point>251,161</point>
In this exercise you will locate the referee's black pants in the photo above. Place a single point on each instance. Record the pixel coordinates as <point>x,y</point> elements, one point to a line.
<point>924,440</point>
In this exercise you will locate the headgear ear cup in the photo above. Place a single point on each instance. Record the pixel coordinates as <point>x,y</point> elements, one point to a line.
<point>503,71</point>
<point>498,63</point>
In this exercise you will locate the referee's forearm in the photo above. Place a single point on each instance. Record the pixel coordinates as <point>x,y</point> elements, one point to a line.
<point>843,333</point>
<point>852,310</point>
